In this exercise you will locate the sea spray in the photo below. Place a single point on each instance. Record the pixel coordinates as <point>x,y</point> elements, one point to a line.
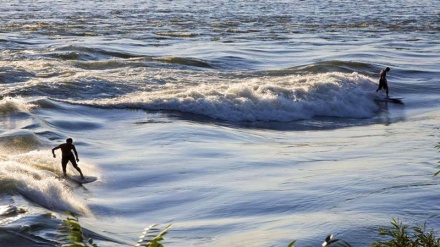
<point>34,175</point>
<point>282,98</point>
<point>9,105</point>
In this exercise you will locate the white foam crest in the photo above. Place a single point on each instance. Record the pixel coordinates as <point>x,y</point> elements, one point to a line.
<point>15,104</point>
<point>11,213</point>
<point>6,210</point>
<point>44,160</point>
<point>34,175</point>
<point>283,98</point>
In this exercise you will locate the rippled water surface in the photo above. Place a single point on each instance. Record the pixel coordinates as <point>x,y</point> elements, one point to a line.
<point>248,123</point>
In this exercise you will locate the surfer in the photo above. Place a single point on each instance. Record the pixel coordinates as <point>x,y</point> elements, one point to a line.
<point>67,155</point>
<point>383,83</point>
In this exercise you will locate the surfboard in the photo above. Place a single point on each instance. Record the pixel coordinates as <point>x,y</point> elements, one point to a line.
<point>392,100</point>
<point>78,179</point>
<point>395,100</point>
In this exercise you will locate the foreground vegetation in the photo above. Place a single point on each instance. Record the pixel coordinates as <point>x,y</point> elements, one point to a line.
<point>403,236</point>
<point>398,235</point>
<point>73,235</point>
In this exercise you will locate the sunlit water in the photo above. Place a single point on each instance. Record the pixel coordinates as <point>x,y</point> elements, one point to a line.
<point>240,123</point>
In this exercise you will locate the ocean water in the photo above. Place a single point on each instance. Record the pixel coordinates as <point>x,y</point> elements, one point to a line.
<point>241,123</point>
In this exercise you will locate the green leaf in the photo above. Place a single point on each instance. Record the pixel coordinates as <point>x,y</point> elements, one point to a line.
<point>158,238</point>
<point>292,244</point>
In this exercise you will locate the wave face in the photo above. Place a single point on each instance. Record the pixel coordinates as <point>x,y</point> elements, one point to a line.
<point>324,89</point>
<point>284,98</point>
<point>33,176</point>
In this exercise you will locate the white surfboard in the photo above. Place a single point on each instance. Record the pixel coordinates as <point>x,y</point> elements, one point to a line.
<point>78,179</point>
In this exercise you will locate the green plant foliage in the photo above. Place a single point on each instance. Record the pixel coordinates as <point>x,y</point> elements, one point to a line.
<point>403,236</point>
<point>426,239</point>
<point>73,232</point>
<point>72,235</point>
<point>292,244</point>
<point>399,235</point>
<point>155,242</point>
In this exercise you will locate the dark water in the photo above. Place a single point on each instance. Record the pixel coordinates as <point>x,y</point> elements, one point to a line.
<point>241,123</point>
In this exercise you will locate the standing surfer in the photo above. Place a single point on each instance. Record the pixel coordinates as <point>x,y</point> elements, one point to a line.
<point>383,83</point>
<point>67,155</point>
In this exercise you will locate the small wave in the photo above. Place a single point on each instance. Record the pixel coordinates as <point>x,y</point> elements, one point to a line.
<point>140,62</point>
<point>335,66</point>
<point>9,105</point>
<point>39,231</point>
<point>8,210</point>
<point>284,98</point>
<point>14,75</point>
<point>101,65</point>
<point>75,125</point>
<point>72,52</point>
<point>184,61</point>
<point>41,188</point>
<point>46,103</point>
<point>177,34</point>
<point>33,175</point>
<point>97,58</point>
<point>10,214</point>
<point>19,140</point>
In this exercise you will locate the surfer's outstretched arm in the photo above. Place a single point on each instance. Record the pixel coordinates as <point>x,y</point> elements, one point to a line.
<point>76,153</point>
<point>53,151</point>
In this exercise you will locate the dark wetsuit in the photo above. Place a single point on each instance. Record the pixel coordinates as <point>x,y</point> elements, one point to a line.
<point>383,83</point>
<point>67,155</point>
<point>66,160</point>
